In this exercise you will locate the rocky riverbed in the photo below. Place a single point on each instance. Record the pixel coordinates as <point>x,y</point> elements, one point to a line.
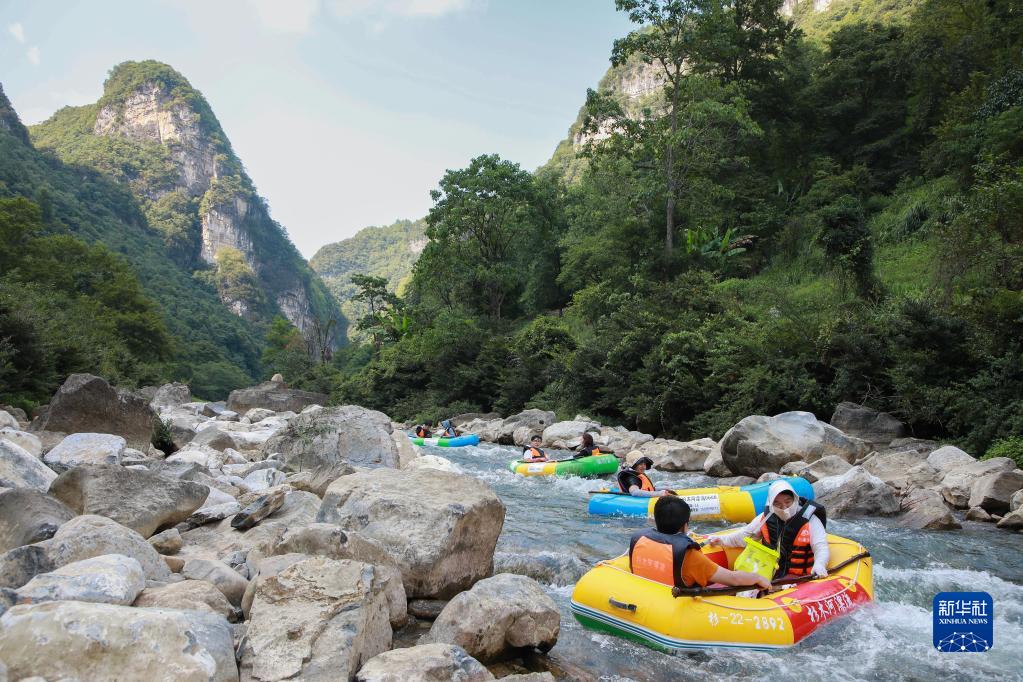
<point>274,538</point>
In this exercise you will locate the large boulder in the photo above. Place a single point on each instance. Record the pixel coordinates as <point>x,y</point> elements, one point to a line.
<point>28,516</point>
<point>83,537</point>
<point>619,439</point>
<point>567,435</point>
<point>88,404</point>
<point>218,574</point>
<point>18,469</point>
<point>498,617</point>
<point>1012,521</point>
<point>759,444</point>
<point>715,465</point>
<point>349,434</point>
<point>876,428</point>
<point>82,641</point>
<point>274,396</point>
<point>857,492</point>
<point>319,619</point>
<point>957,485</point>
<point>7,420</point>
<point>524,424</point>
<point>198,595</point>
<point>28,442</point>
<point>1016,501</point>
<point>217,540</point>
<point>85,448</point>
<point>441,527</point>
<point>138,499</point>
<point>170,395</point>
<point>673,455</point>
<point>832,465</point>
<point>993,492</point>
<point>439,662</point>
<point>433,462</point>
<point>901,468</point>
<point>319,479</point>
<point>105,579</point>
<point>948,457</point>
<point>926,509</point>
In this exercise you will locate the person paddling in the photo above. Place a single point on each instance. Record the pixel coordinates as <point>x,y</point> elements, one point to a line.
<point>532,452</point>
<point>668,555</point>
<point>793,526</point>
<point>448,430</point>
<point>634,481</point>
<point>586,447</point>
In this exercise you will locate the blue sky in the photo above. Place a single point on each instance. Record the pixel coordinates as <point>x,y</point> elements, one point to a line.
<point>345,112</point>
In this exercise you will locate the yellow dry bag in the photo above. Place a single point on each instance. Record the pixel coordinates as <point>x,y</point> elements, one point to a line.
<point>757,558</point>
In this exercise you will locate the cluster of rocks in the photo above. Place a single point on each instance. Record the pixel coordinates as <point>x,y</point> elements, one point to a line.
<point>862,463</point>
<point>280,540</point>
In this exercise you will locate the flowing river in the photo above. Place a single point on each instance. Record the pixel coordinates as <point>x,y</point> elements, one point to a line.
<point>549,535</point>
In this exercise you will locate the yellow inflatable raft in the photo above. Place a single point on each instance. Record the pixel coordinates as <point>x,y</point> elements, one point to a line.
<point>610,598</point>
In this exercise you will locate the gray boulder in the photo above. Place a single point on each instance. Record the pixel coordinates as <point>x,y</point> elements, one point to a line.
<point>831,465</point>
<point>793,468</point>
<point>28,442</point>
<point>83,537</point>
<point>857,492</point>
<point>894,467</point>
<point>673,455</point>
<point>85,448</point>
<point>218,574</point>
<point>319,619</point>
<point>1016,501</point>
<point>273,396</point>
<point>138,499</point>
<point>443,535</point>
<point>7,420</point>
<point>88,404</point>
<point>876,428</point>
<point>319,479</point>
<point>994,491</point>
<point>567,435</point>
<point>439,662</point>
<point>498,617</point>
<point>170,395</point>
<point>715,465</point>
<point>348,434</point>
<point>19,469</point>
<point>759,444</point>
<point>28,516</point>
<point>926,509</point>
<point>526,423</point>
<point>978,514</point>
<point>957,485</point>
<point>106,642</point>
<point>618,439</point>
<point>167,542</point>
<point>1012,521</point>
<point>948,457</point>
<point>258,414</point>
<point>105,579</point>
<point>197,595</point>
<point>258,509</point>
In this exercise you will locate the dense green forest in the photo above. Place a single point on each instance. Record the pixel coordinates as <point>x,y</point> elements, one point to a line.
<point>387,251</point>
<point>799,217</point>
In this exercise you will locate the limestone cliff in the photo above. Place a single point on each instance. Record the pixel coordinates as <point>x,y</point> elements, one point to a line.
<point>154,132</point>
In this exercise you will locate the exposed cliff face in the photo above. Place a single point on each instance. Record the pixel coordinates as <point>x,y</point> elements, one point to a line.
<point>185,173</point>
<point>147,114</point>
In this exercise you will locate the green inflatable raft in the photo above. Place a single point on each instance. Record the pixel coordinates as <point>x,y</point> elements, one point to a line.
<point>594,465</point>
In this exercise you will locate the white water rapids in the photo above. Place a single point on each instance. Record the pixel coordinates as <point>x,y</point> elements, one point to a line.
<point>549,535</point>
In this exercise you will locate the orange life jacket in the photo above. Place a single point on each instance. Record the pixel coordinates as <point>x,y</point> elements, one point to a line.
<point>658,556</point>
<point>629,474</point>
<point>647,485</point>
<point>534,455</point>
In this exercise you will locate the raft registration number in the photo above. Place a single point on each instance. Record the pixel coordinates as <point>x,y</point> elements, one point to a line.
<point>703,505</point>
<point>758,622</point>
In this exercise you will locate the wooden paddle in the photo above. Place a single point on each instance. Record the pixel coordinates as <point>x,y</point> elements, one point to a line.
<point>723,591</point>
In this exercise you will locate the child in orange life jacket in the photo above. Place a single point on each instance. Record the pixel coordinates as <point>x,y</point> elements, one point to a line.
<point>791,525</point>
<point>634,481</point>
<point>533,453</point>
<point>669,556</point>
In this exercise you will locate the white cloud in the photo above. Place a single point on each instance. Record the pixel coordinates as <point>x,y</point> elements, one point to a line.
<point>33,55</point>
<point>293,16</point>
<point>18,31</point>
<point>344,9</point>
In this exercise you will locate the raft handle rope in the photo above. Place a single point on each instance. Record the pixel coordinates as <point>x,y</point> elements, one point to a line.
<point>621,605</point>
<point>722,591</point>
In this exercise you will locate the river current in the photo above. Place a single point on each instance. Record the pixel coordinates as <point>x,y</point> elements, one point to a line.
<point>549,535</point>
